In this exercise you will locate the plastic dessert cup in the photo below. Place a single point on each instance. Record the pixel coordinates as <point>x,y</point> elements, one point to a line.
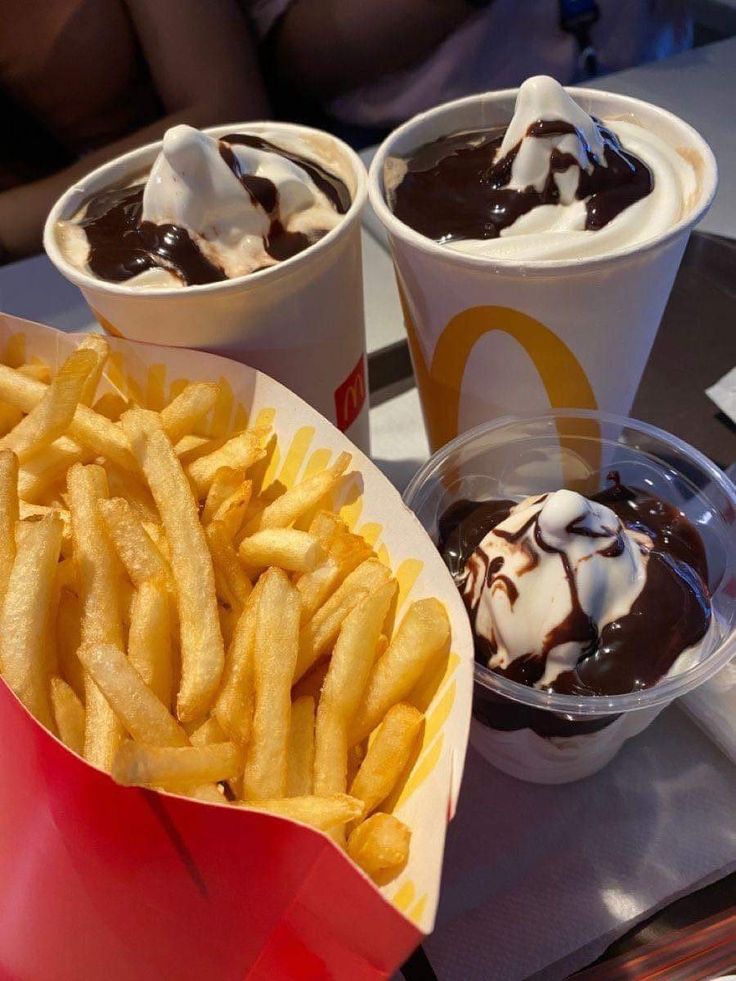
<point>490,336</point>
<point>300,321</point>
<point>549,737</point>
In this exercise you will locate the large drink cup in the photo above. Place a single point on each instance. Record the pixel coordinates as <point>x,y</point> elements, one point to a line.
<point>489,335</point>
<point>300,321</point>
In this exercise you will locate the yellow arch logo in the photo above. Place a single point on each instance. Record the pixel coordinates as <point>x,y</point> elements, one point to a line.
<point>440,383</point>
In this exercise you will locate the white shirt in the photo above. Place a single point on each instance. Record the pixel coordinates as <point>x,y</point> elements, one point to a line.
<point>499,46</point>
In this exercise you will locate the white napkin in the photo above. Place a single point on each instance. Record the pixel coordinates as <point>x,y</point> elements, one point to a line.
<point>538,876</point>
<point>723,393</point>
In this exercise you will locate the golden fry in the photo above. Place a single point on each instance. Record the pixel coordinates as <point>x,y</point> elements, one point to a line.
<point>231,513</point>
<point>9,515</point>
<point>287,508</point>
<point>323,813</point>
<point>209,731</point>
<point>131,488</point>
<point>240,452</point>
<point>388,755</point>
<point>210,793</point>
<point>234,706</point>
<point>226,481</point>
<point>175,768</point>
<point>202,648</point>
<point>111,405</point>
<point>320,633</point>
<point>25,617</point>
<point>52,415</point>
<point>101,610</point>
<point>44,469</point>
<point>345,552</point>
<point>275,652</point>
<point>422,636</point>
<point>150,638</point>
<point>289,549</point>
<point>138,553</point>
<point>237,584</point>
<point>144,716</point>
<point>97,344</point>
<point>68,715</point>
<point>347,675</point>
<point>68,639</point>
<point>180,416</point>
<point>300,753</point>
<point>380,846</point>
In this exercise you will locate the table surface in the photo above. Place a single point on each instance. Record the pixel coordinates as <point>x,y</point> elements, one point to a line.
<point>695,346</point>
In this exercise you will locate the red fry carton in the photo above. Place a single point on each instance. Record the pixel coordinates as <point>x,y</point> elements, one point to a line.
<point>123,884</point>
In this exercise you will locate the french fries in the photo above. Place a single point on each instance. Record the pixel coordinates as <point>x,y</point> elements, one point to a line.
<point>186,629</point>
<point>347,675</point>
<point>241,452</point>
<point>388,754</point>
<point>295,551</point>
<point>380,846</point>
<point>68,715</point>
<point>175,768</point>
<point>23,620</point>
<point>300,752</point>
<point>285,510</point>
<point>9,514</point>
<point>150,647</point>
<point>227,481</point>
<point>202,648</point>
<point>275,649</point>
<point>324,813</point>
<point>423,635</point>
<point>136,550</point>
<point>144,715</point>
<point>101,607</point>
<point>319,634</point>
<point>181,414</point>
<point>52,415</point>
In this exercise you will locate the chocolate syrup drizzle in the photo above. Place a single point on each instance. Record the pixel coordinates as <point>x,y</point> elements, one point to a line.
<point>122,245</point>
<point>671,613</point>
<point>450,192</point>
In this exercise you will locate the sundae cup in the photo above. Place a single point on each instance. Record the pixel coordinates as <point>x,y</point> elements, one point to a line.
<point>597,594</point>
<point>536,234</point>
<point>243,240</point>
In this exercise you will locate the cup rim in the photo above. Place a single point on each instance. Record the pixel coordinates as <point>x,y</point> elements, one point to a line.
<point>132,162</point>
<point>665,690</point>
<point>402,231</point>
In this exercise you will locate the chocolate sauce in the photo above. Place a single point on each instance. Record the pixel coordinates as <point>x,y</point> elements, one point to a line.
<point>122,245</point>
<point>634,652</point>
<point>457,187</point>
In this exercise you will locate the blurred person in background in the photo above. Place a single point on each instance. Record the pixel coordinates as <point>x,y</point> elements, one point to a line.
<point>82,81</point>
<point>370,64</point>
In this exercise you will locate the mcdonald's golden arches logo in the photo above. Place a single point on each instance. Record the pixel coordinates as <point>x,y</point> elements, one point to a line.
<point>440,382</point>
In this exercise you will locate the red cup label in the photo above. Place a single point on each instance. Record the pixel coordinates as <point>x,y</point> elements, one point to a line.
<point>350,396</point>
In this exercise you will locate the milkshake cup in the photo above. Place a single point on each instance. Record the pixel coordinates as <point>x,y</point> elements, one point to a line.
<point>300,321</point>
<point>546,736</point>
<point>496,334</point>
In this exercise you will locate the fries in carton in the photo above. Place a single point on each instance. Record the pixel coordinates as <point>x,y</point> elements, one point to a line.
<point>103,880</point>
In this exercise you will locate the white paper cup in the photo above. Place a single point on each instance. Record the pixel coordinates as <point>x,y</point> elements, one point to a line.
<point>491,336</point>
<point>300,321</point>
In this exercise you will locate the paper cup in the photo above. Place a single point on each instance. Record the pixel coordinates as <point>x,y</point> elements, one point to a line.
<point>103,881</point>
<point>300,321</point>
<point>492,336</point>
